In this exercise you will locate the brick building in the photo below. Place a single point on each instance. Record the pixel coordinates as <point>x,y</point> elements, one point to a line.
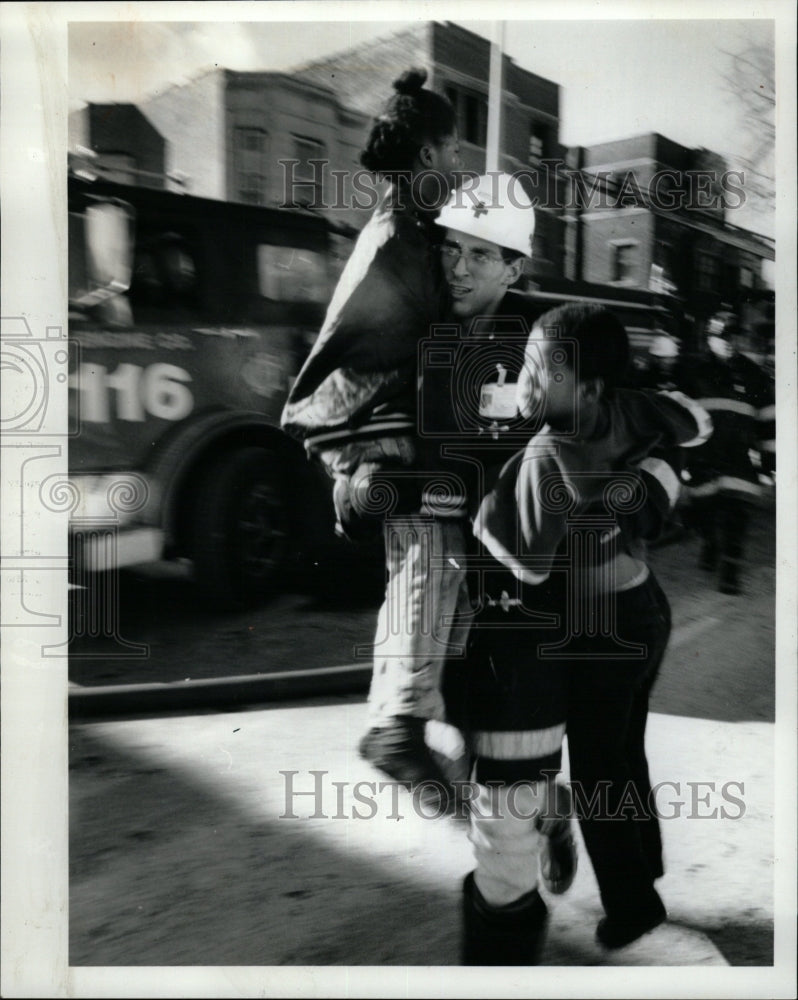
<point>654,217</point>
<point>233,136</point>
<point>254,137</point>
<point>261,137</point>
<point>655,212</point>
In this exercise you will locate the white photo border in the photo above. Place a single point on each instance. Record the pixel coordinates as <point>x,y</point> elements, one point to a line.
<point>33,139</point>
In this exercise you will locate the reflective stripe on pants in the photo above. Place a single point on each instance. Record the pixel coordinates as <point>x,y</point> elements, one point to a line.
<point>506,840</point>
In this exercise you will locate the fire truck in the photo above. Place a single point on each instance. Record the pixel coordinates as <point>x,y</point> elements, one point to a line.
<point>645,314</point>
<point>188,320</point>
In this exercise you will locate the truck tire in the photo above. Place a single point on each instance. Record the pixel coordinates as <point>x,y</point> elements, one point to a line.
<point>240,530</point>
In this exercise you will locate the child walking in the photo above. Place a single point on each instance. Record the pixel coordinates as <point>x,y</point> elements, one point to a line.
<point>572,629</point>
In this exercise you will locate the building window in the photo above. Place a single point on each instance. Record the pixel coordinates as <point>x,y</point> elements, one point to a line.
<point>624,262</point>
<point>249,155</point>
<point>746,277</point>
<point>251,187</point>
<point>308,172</point>
<point>475,119</point>
<point>537,142</point>
<point>707,269</point>
<point>471,112</point>
<point>165,275</point>
<point>250,140</point>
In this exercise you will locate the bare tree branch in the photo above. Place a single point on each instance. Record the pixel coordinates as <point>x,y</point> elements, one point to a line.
<point>750,81</point>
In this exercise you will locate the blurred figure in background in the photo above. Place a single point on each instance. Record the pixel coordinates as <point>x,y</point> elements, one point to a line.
<point>663,363</point>
<point>723,485</point>
<point>354,406</point>
<point>662,372</point>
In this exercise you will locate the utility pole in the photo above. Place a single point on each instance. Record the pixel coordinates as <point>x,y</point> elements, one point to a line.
<point>495,88</point>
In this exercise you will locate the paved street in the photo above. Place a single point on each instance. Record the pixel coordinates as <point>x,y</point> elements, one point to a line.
<point>188,848</point>
<point>191,847</point>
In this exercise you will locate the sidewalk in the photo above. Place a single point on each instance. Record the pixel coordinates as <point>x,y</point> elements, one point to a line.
<point>328,888</point>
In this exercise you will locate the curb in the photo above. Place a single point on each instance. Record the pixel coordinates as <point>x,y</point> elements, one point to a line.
<point>125,699</point>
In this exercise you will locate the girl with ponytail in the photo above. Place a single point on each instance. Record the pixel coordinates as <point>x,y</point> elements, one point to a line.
<point>414,139</point>
<point>354,406</point>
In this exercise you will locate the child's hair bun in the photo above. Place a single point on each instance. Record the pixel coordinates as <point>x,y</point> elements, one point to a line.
<point>411,81</point>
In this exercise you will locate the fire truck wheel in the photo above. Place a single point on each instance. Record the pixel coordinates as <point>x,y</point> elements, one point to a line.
<point>240,528</point>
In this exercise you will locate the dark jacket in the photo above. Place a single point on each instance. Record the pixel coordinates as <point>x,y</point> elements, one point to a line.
<point>460,373</point>
<point>523,520</point>
<point>469,370</point>
<point>739,395</point>
<point>359,380</point>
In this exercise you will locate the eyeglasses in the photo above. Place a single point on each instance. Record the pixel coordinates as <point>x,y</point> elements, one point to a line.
<point>475,257</point>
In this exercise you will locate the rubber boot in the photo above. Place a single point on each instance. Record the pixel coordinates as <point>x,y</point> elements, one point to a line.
<point>399,750</point>
<point>502,935</point>
<point>628,925</point>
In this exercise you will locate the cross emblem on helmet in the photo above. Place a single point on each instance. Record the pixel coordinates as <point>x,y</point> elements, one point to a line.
<point>479,209</point>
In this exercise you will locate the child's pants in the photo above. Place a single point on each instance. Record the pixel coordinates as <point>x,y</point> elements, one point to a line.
<point>423,620</point>
<point>424,617</point>
<point>512,707</point>
<point>508,824</point>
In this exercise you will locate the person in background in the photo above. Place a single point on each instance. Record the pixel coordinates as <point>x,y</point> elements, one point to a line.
<point>354,405</point>
<point>662,372</point>
<point>722,477</point>
<point>663,363</point>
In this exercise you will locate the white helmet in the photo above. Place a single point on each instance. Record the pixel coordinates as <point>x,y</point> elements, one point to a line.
<point>664,346</point>
<point>493,207</point>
